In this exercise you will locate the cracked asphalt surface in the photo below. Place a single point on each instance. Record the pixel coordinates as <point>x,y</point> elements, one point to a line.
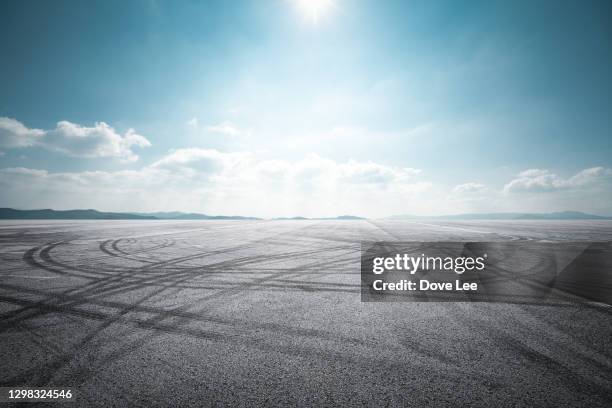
<point>245,313</point>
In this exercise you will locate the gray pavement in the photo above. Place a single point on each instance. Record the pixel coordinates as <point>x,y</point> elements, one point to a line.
<point>241,313</point>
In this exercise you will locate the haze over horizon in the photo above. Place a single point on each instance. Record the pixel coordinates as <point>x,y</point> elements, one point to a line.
<point>284,108</point>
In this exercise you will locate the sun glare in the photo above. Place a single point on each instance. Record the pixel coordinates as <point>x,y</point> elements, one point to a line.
<point>314,10</point>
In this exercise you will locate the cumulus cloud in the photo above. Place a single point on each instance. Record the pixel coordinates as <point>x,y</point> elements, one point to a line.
<point>100,140</point>
<point>469,188</point>
<point>14,134</point>
<point>471,197</point>
<point>591,176</point>
<point>247,167</point>
<point>217,182</point>
<point>212,181</point>
<point>201,162</point>
<point>541,180</point>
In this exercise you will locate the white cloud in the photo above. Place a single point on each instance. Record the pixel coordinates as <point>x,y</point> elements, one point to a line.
<point>210,181</point>
<point>201,162</point>
<point>225,129</point>
<point>14,134</point>
<point>374,173</point>
<point>250,183</point>
<point>471,197</point>
<point>591,176</point>
<point>101,140</point>
<point>207,180</point>
<point>469,188</point>
<point>245,166</point>
<point>72,139</point>
<point>539,180</point>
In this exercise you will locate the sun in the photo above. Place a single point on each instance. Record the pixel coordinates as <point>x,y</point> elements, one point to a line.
<point>314,10</point>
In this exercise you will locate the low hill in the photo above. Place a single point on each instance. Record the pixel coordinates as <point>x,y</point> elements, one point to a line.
<point>563,215</point>
<point>340,217</point>
<point>176,215</point>
<point>47,214</point>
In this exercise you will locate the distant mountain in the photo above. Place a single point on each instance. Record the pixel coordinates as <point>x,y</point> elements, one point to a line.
<point>175,215</point>
<point>46,214</point>
<point>348,217</point>
<point>563,215</point>
<point>13,214</point>
<point>340,217</point>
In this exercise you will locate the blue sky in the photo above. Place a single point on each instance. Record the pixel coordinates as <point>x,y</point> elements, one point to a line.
<point>258,108</point>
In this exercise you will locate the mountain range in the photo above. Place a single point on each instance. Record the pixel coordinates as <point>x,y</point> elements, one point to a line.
<point>13,214</point>
<point>47,214</point>
<point>562,215</point>
<point>177,215</point>
<point>340,217</point>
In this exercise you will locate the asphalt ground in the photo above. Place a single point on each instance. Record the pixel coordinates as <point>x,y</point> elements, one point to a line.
<point>253,313</point>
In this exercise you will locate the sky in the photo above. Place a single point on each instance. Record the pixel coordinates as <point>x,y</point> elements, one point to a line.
<point>315,108</point>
